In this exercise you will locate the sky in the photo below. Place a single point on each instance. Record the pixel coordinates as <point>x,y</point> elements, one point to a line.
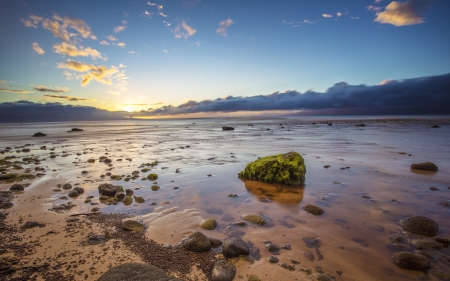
<point>207,58</point>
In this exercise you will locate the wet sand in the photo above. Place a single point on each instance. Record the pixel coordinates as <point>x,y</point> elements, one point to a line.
<point>367,189</point>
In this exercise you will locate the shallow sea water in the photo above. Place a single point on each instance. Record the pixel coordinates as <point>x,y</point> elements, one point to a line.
<point>363,203</point>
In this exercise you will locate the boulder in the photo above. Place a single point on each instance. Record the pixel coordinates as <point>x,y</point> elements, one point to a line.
<point>80,190</point>
<point>286,169</point>
<point>139,199</point>
<point>411,261</point>
<point>420,225</point>
<point>223,271</point>
<point>254,218</point>
<point>67,186</point>
<point>152,177</point>
<point>73,193</point>
<point>209,224</point>
<point>234,247</point>
<point>227,128</point>
<point>17,187</point>
<point>136,271</point>
<point>108,189</point>
<point>39,134</point>
<point>133,226</point>
<point>127,200</point>
<point>197,242</point>
<point>313,209</point>
<point>425,166</point>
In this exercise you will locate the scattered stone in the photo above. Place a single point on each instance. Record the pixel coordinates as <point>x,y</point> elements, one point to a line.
<point>80,190</point>
<point>287,266</point>
<point>309,256</point>
<point>273,259</point>
<point>423,244</point>
<point>286,169</point>
<point>67,186</point>
<point>240,223</point>
<point>223,271</point>
<point>443,274</point>
<point>327,166</point>
<point>75,130</point>
<point>139,199</point>
<point>129,192</point>
<point>435,126</point>
<point>226,128</point>
<point>234,246</point>
<point>232,195</point>
<point>434,188</point>
<point>127,200</point>
<point>254,278</point>
<point>360,125</point>
<point>307,271</point>
<point>445,242</point>
<point>287,247</point>
<point>426,166</point>
<point>323,277</point>
<point>215,242</point>
<point>119,195</point>
<point>445,204</point>
<point>152,177</point>
<point>396,238</point>
<point>155,187</point>
<point>295,261</point>
<point>411,261</point>
<point>197,242</point>
<point>136,271</point>
<point>272,247</point>
<point>420,225</point>
<point>423,253</point>
<point>73,193</point>
<point>254,218</point>
<point>39,134</point>
<point>133,226</point>
<point>313,209</point>
<point>153,203</point>
<point>17,187</point>
<point>108,189</point>
<point>209,224</point>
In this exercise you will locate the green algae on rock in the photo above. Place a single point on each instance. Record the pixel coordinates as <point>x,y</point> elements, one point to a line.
<point>289,169</point>
<point>209,224</point>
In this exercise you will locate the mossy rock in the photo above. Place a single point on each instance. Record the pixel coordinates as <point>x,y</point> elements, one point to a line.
<point>116,177</point>
<point>155,187</point>
<point>139,199</point>
<point>26,176</point>
<point>254,218</point>
<point>152,177</point>
<point>8,177</point>
<point>127,200</point>
<point>209,224</point>
<point>288,169</point>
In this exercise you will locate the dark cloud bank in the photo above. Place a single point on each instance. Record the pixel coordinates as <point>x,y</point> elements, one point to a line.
<point>427,95</point>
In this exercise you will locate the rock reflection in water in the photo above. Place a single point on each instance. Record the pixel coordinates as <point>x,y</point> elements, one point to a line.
<point>283,194</point>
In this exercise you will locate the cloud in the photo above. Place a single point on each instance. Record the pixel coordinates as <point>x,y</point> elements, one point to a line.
<point>339,14</point>
<point>121,44</point>
<point>32,22</point>
<point>69,98</point>
<point>100,73</point>
<point>136,104</point>
<point>111,38</point>
<point>222,30</point>
<point>165,51</point>
<point>72,51</point>
<point>114,93</point>
<point>119,28</point>
<point>425,93</point>
<point>327,16</point>
<point>121,65</point>
<point>294,24</point>
<point>51,90</point>
<point>3,81</point>
<point>26,111</point>
<point>22,92</point>
<point>373,8</point>
<point>402,13</point>
<point>38,49</point>
<point>354,18</point>
<point>104,42</point>
<point>384,82</point>
<point>377,1</point>
<point>134,53</point>
<point>183,31</point>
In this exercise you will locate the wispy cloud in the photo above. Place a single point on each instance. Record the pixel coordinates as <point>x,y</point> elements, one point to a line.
<point>121,44</point>
<point>3,81</point>
<point>69,98</point>
<point>111,38</point>
<point>51,90</point>
<point>339,14</point>
<point>293,24</point>
<point>104,42</point>
<point>114,93</point>
<point>33,21</point>
<point>327,15</point>
<point>223,27</point>
<point>120,28</point>
<point>134,53</point>
<point>72,51</point>
<point>183,31</point>
<point>158,10</point>
<point>402,13</point>
<point>23,92</point>
<point>99,73</point>
<point>165,51</point>
<point>38,49</point>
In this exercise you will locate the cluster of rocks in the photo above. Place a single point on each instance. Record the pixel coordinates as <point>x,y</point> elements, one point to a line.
<point>112,194</point>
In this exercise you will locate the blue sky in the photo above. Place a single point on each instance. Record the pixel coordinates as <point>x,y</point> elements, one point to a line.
<point>135,55</point>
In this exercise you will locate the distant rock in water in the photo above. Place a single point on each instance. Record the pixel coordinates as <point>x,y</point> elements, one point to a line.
<point>289,169</point>
<point>226,128</point>
<point>313,209</point>
<point>412,261</point>
<point>435,126</point>
<point>420,225</point>
<point>75,130</point>
<point>425,166</point>
<point>360,125</point>
<point>39,134</point>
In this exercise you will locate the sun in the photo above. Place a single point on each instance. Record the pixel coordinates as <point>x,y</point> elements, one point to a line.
<point>128,108</point>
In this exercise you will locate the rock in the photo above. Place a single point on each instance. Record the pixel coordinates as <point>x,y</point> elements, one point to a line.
<point>226,128</point>
<point>423,244</point>
<point>323,277</point>
<point>80,190</point>
<point>396,238</point>
<point>434,188</point>
<point>426,166</point>
<point>136,271</point>
<point>232,195</point>
<point>254,218</point>
<point>67,186</point>
<point>286,169</point>
<point>420,225</point>
<point>119,195</point>
<point>253,278</point>
<point>443,274</point>
<point>360,125</point>
<point>435,126</point>
<point>209,224</point>
<point>445,242</point>
<point>273,259</point>
<point>133,226</point>
<point>287,247</point>
<point>411,261</point>
<point>155,187</point>
<point>152,177</point>
<point>234,246</point>
<point>309,256</point>
<point>197,242</point>
<point>17,187</point>
<point>240,223</point>
<point>272,247</point>
<point>313,209</point>
<point>307,271</point>
<point>223,271</point>
<point>5,177</point>
<point>75,130</point>
<point>108,189</point>
<point>423,253</point>
<point>127,200</point>
<point>287,266</point>
<point>73,193</point>
<point>327,166</point>
<point>31,224</point>
<point>215,242</point>
<point>129,192</point>
<point>139,199</point>
<point>39,134</point>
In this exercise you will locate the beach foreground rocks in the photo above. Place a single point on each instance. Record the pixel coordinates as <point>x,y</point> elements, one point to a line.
<point>286,169</point>
<point>425,166</point>
<point>197,242</point>
<point>412,261</point>
<point>420,225</point>
<point>223,271</point>
<point>136,271</point>
<point>234,247</point>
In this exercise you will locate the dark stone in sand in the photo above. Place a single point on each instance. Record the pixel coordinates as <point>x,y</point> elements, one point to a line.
<point>152,177</point>
<point>136,271</point>
<point>67,186</point>
<point>17,187</point>
<point>80,190</point>
<point>73,193</point>
<point>133,226</point>
<point>76,130</point>
<point>411,261</point>
<point>313,209</point>
<point>215,242</point>
<point>155,187</point>
<point>323,277</point>
<point>127,200</point>
<point>435,126</point>
<point>5,177</point>
<point>445,242</point>
<point>39,134</point>
<point>3,216</point>
<point>287,266</point>
<point>139,199</point>
<point>309,256</point>
<point>226,128</point>
<point>197,242</point>
<point>254,218</point>
<point>327,166</point>
<point>107,189</point>
<point>360,125</point>
<point>209,224</point>
<point>434,188</point>
<point>129,192</point>
<point>420,225</point>
<point>441,273</point>
<point>272,247</point>
<point>223,271</point>
<point>253,278</point>
<point>425,166</point>
<point>31,224</point>
<point>423,244</point>
<point>273,259</point>
<point>396,238</point>
<point>423,253</point>
<point>287,247</point>
<point>234,246</point>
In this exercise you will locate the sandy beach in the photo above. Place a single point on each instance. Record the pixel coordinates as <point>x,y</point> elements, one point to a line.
<point>360,175</point>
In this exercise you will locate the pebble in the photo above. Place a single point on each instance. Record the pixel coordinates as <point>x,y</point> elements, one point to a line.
<point>313,209</point>
<point>287,266</point>
<point>411,261</point>
<point>272,247</point>
<point>223,271</point>
<point>273,259</point>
